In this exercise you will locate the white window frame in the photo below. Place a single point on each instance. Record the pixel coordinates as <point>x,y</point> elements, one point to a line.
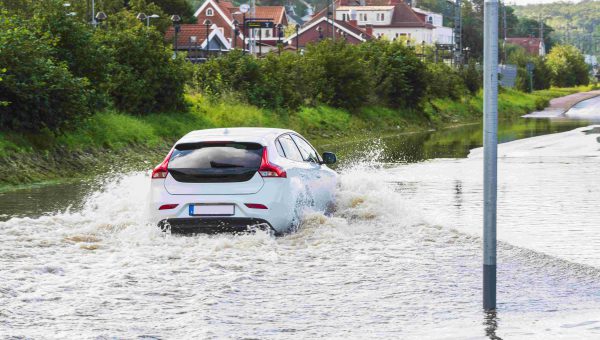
<point>380,17</point>
<point>210,12</point>
<point>362,17</point>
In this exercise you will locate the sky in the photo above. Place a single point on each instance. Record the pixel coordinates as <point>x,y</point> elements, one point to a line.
<point>526,2</point>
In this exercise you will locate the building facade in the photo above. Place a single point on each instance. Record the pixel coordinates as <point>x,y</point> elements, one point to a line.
<point>229,21</point>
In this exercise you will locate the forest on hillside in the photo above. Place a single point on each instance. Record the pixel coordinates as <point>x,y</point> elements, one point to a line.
<point>576,24</point>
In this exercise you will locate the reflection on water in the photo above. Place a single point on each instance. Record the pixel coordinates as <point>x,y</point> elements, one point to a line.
<point>491,325</point>
<point>453,142</point>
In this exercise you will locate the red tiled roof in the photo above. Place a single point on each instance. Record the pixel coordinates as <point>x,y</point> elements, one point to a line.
<point>185,33</point>
<point>403,15</point>
<point>531,45</point>
<point>354,29</point>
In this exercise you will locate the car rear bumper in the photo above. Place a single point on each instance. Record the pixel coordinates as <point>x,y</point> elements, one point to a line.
<point>214,225</point>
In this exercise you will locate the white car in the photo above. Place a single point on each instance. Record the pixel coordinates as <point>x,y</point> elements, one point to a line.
<point>235,179</point>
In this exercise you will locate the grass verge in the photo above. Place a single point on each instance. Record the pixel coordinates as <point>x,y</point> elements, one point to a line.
<point>106,139</point>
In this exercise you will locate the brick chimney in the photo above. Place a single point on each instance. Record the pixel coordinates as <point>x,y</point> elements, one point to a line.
<point>353,23</point>
<point>369,29</point>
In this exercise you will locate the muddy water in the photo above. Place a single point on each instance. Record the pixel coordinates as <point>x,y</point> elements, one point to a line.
<point>400,258</point>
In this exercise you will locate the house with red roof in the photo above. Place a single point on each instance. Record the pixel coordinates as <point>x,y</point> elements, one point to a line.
<point>386,19</point>
<point>326,28</point>
<point>228,20</point>
<point>533,46</point>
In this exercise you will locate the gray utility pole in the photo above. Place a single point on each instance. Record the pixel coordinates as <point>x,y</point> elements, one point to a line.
<point>94,22</point>
<point>490,151</point>
<point>252,30</point>
<point>457,33</point>
<point>504,61</point>
<point>541,27</point>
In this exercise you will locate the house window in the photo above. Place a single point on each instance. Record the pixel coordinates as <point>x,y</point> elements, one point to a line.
<point>344,17</point>
<point>267,33</point>
<point>210,12</point>
<point>362,17</point>
<point>380,17</point>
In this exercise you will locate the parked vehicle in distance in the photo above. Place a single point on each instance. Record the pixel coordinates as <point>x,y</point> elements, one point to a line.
<point>235,179</point>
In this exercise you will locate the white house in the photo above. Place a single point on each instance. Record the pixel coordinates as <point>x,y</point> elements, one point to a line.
<point>441,33</point>
<point>387,19</point>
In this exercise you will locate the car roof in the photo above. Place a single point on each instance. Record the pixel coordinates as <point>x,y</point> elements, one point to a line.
<point>241,134</point>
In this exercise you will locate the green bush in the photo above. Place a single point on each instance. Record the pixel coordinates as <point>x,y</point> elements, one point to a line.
<point>567,66</point>
<point>39,89</point>
<point>144,76</point>
<point>472,77</point>
<point>444,82</point>
<point>331,73</point>
<point>398,77</point>
<point>337,75</point>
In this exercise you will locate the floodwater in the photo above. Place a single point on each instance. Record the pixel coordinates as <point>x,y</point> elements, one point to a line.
<point>400,258</point>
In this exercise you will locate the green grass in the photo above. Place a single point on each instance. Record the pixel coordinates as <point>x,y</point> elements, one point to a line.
<point>106,135</point>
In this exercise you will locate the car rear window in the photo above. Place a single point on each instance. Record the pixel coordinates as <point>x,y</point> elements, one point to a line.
<point>215,162</point>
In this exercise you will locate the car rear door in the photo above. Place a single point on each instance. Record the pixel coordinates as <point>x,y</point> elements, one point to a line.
<point>215,168</point>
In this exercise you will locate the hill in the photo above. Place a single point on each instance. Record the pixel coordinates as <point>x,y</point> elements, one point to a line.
<point>577,24</point>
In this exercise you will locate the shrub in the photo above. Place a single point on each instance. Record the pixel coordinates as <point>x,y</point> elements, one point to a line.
<point>444,82</point>
<point>472,77</point>
<point>337,74</point>
<point>144,76</point>
<point>398,76</point>
<point>567,66</point>
<point>39,89</point>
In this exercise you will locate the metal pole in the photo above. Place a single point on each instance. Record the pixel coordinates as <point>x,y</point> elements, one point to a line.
<point>253,34</point>
<point>297,38</point>
<point>457,33</point>
<point>245,35</point>
<point>207,42</point>
<point>93,13</point>
<point>332,20</point>
<point>504,28</point>
<point>490,151</point>
<point>260,42</point>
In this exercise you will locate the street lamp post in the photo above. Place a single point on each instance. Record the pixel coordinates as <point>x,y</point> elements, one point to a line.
<point>279,35</point>
<point>297,38</point>
<point>207,24</point>
<point>94,23</point>
<point>143,16</point>
<point>176,19</point>
<point>101,17</point>
<point>236,31</point>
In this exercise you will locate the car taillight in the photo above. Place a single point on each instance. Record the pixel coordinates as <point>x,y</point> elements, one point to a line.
<point>168,206</point>
<point>268,169</point>
<point>161,170</point>
<point>255,206</point>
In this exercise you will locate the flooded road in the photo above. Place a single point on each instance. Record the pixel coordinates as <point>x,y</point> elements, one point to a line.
<point>400,258</point>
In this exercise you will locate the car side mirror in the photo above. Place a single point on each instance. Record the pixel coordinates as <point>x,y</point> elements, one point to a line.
<point>329,158</point>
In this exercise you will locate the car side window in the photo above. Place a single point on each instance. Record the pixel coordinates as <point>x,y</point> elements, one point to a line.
<point>279,148</point>
<point>309,154</point>
<point>290,149</point>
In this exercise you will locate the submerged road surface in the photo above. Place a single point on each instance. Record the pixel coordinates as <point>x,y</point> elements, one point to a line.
<point>400,258</point>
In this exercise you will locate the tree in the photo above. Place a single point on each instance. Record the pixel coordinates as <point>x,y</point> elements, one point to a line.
<point>567,66</point>
<point>398,76</point>
<point>144,76</point>
<point>40,90</point>
<point>339,77</point>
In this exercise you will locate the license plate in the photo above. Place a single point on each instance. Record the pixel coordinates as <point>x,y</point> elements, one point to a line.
<point>212,210</point>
